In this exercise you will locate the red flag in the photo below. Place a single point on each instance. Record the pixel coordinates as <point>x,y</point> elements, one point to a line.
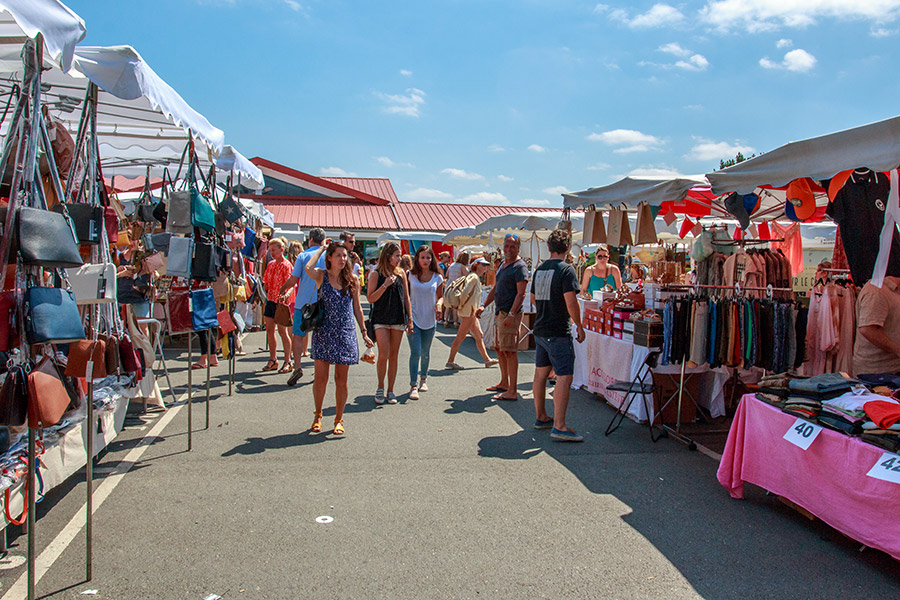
<point>764,233</point>
<point>686,227</point>
<point>738,234</point>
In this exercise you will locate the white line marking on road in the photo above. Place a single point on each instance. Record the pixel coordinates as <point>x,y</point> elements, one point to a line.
<point>713,455</point>
<point>55,549</point>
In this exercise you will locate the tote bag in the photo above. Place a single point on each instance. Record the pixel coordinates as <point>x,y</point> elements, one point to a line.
<point>594,228</point>
<point>618,233</point>
<point>645,230</point>
<point>181,251</point>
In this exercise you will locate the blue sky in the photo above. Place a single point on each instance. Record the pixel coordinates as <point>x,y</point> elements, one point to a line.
<point>513,101</point>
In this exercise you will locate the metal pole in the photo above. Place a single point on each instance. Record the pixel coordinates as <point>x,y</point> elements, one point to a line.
<point>89,476</point>
<point>29,487</point>
<point>190,394</point>
<point>210,351</point>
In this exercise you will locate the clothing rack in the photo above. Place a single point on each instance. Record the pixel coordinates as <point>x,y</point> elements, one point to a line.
<point>737,287</point>
<point>745,242</point>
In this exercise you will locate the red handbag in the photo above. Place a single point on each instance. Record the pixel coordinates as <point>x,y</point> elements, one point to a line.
<point>82,352</point>
<point>111,221</point>
<point>48,398</point>
<point>7,312</point>
<point>226,323</point>
<point>127,356</point>
<point>178,307</point>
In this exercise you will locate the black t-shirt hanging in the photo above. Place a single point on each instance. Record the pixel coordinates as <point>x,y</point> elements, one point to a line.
<point>550,283</point>
<point>858,208</point>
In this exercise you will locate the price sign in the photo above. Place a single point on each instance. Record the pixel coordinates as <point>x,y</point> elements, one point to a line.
<point>887,468</point>
<point>802,433</point>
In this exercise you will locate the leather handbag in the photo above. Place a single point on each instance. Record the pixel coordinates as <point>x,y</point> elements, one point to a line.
<point>93,283</point>
<point>231,209</point>
<point>202,214</point>
<point>51,316</point>
<point>234,240</point>
<point>111,353</point>
<point>178,307</point>
<point>203,309</point>
<point>181,252</point>
<point>7,321</point>
<point>226,323</point>
<point>14,397</point>
<point>121,239</point>
<point>179,218</point>
<point>147,243</point>
<point>127,357</point>
<point>283,315</point>
<point>48,397</point>
<point>154,262</point>
<point>87,219</point>
<point>112,224</point>
<point>160,242</point>
<point>160,213</point>
<point>203,265</point>
<point>44,239</point>
<point>223,258</point>
<point>84,351</point>
<point>145,211</point>
<point>221,288</point>
<point>313,315</point>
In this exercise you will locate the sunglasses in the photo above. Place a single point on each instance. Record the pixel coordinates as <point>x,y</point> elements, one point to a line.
<point>603,256</point>
<point>511,236</point>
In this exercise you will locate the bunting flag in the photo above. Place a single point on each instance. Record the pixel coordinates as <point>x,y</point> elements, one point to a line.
<point>753,231</point>
<point>764,233</point>
<point>669,218</point>
<point>738,234</point>
<point>697,230</point>
<point>686,226</point>
<point>654,210</point>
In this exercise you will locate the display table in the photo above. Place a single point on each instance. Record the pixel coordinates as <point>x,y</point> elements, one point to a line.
<point>601,360</point>
<point>829,479</point>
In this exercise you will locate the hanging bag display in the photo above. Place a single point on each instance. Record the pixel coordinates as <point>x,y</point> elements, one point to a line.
<point>51,316</point>
<point>87,219</point>
<point>93,283</point>
<point>181,252</point>
<point>43,239</point>
<point>202,214</point>
<point>645,230</point>
<point>594,228</point>
<point>48,397</point>
<point>179,214</point>
<point>226,323</point>
<point>231,209</point>
<point>618,233</point>
<point>82,352</point>
<point>203,265</point>
<point>154,262</point>
<point>14,397</point>
<point>128,359</point>
<point>178,309</point>
<point>8,338</point>
<point>160,242</point>
<point>203,309</point>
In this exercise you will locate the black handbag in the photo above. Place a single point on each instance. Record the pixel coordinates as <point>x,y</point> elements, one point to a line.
<point>14,397</point>
<point>145,212</point>
<point>160,242</point>
<point>313,315</point>
<point>203,266</point>
<point>87,219</point>
<point>231,209</point>
<point>51,315</point>
<point>43,238</point>
<point>223,258</point>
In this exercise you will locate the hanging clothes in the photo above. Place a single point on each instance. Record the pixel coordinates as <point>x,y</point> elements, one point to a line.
<point>792,246</point>
<point>821,336</point>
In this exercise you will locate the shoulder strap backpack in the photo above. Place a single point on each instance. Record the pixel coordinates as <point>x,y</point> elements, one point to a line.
<point>453,293</point>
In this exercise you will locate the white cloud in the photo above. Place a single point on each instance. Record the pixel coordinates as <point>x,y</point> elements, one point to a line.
<point>534,202</point>
<point>784,43</point>
<point>408,104</point>
<point>659,15</point>
<point>654,172</point>
<point>485,198</point>
<point>708,150</point>
<point>496,148</point>
<point>628,140</point>
<point>536,148</point>
<point>798,61</point>
<point>693,107</point>
<point>675,49</point>
<point>294,6</point>
<point>504,178</point>
<point>386,161</point>
<point>600,9</point>
<point>406,72</point>
<point>880,32</point>
<point>460,174</point>
<point>600,166</point>
<point>335,172</point>
<point>697,62</point>
<point>428,195</point>
<point>556,190</point>
<point>770,15</point>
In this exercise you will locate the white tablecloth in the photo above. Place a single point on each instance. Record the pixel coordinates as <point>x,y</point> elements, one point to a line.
<point>602,360</point>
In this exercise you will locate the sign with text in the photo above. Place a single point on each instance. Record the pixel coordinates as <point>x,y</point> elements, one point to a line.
<point>802,433</point>
<point>887,468</point>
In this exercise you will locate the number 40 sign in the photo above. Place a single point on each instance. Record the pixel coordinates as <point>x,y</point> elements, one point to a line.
<point>887,468</point>
<point>802,433</point>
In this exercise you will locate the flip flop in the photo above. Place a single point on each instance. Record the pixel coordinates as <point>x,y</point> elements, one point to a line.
<point>198,366</point>
<point>502,397</point>
<point>496,388</point>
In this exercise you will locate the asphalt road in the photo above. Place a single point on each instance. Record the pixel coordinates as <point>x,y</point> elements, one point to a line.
<point>450,496</point>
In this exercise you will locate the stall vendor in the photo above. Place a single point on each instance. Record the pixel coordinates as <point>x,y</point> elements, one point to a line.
<point>601,274</point>
<point>877,347</point>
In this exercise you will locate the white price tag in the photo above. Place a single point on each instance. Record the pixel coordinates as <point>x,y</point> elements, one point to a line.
<point>887,468</point>
<point>802,433</point>
<point>89,371</point>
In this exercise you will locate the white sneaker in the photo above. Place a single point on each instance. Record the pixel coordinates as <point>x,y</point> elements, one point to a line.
<point>413,393</point>
<point>422,386</point>
<point>391,399</point>
<point>379,396</point>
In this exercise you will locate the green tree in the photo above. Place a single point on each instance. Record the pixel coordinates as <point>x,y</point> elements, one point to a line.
<point>739,157</point>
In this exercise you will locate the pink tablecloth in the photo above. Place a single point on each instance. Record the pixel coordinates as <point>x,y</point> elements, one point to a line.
<point>828,479</point>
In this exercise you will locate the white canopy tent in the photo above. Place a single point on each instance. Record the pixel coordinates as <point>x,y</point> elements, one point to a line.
<point>61,29</point>
<point>539,224</point>
<point>633,190</point>
<point>232,161</point>
<point>876,145</point>
<point>419,236</point>
<point>466,236</point>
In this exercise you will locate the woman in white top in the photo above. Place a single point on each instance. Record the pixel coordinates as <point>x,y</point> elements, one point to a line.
<point>425,294</point>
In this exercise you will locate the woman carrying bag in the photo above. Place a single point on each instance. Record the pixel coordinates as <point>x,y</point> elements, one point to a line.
<point>334,341</point>
<point>277,272</point>
<point>470,300</point>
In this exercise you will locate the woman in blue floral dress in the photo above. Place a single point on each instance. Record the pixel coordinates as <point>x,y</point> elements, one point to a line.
<point>334,342</point>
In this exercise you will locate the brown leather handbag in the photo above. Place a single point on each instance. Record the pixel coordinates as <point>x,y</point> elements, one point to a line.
<point>14,397</point>
<point>81,352</point>
<point>283,315</point>
<point>111,353</point>
<point>48,398</point>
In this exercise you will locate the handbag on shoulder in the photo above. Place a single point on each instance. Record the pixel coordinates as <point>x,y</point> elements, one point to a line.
<point>313,315</point>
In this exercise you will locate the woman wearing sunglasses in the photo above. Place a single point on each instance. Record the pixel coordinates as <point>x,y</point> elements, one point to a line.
<point>601,274</point>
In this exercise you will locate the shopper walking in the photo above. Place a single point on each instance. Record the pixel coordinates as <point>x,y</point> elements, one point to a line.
<point>389,296</point>
<point>334,342</point>
<point>555,295</point>
<point>425,293</point>
<point>460,268</point>
<point>278,271</point>
<point>508,296</point>
<point>470,299</point>
<point>306,293</point>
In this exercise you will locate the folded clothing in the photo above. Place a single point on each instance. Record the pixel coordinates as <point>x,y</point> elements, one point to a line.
<point>888,379</point>
<point>886,441</point>
<point>869,426</point>
<point>883,413</point>
<point>851,416</point>
<point>772,399</point>
<point>827,382</point>
<point>855,400</point>
<point>839,424</point>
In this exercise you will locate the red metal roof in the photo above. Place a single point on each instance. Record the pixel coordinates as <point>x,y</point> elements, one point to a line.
<point>375,186</point>
<point>360,194</point>
<point>445,216</point>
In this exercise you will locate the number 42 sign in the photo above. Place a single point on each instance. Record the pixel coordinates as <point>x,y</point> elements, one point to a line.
<point>802,433</point>
<point>887,468</point>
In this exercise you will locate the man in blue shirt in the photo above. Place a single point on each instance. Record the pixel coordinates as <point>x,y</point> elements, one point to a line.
<point>306,294</point>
